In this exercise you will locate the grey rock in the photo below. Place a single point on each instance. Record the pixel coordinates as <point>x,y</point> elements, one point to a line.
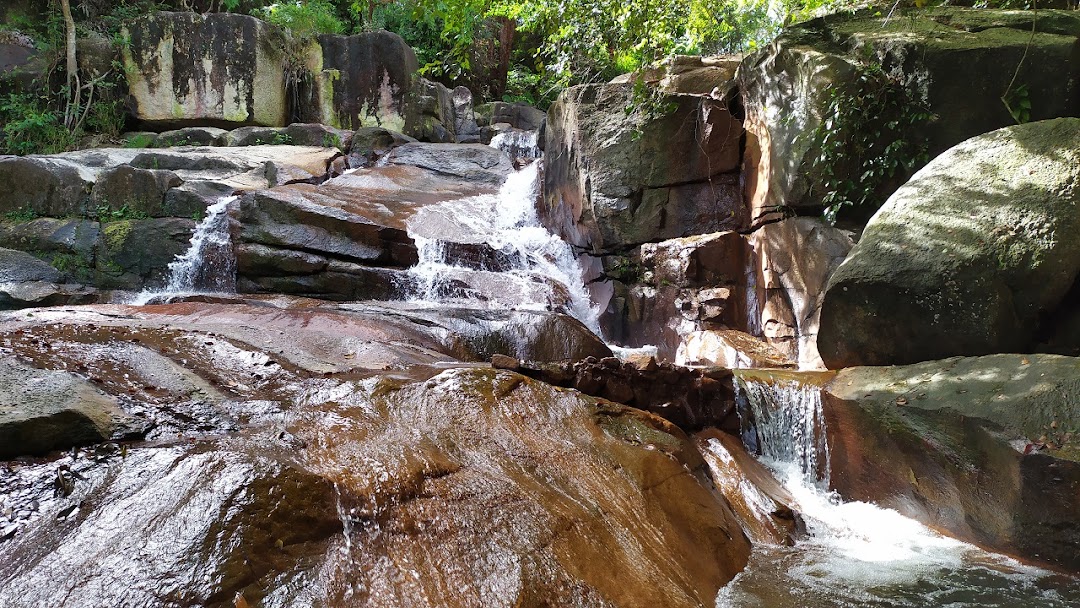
<point>969,257</point>
<point>470,162</point>
<point>43,410</point>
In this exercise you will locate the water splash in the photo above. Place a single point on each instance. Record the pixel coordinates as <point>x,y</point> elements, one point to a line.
<point>491,251</point>
<point>209,264</point>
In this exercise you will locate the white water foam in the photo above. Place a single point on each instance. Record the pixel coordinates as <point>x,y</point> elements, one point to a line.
<point>208,265</point>
<point>524,266</point>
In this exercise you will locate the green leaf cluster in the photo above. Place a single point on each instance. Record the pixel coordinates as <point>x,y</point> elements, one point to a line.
<point>869,141</point>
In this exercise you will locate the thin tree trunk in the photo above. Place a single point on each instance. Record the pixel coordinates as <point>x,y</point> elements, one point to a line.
<point>74,88</point>
<point>507,30</point>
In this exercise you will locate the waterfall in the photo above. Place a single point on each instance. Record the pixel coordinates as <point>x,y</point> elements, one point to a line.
<point>209,264</point>
<point>857,553</point>
<point>518,144</point>
<point>492,251</point>
<point>785,423</point>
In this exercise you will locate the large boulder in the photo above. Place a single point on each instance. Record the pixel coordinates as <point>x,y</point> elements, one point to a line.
<point>139,191</point>
<point>972,256</point>
<point>305,221</point>
<point>42,186</point>
<point>246,168</point>
<point>466,162</point>
<point>435,113</point>
<point>788,86</point>
<point>51,237</point>
<point>983,447</point>
<point>614,180</point>
<point>134,254</point>
<point>21,66</point>
<point>369,144</point>
<point>219,69</point>
<point>347,452</point>
<point>795,258</point>
<point>27,281</point>
<point>21,267</point>
<point>357,81</point>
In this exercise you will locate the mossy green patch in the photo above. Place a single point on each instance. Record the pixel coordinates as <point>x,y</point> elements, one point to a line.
<point>117,233</point>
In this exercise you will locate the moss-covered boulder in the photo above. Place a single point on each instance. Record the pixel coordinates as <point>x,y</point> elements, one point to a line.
<point>613,181</point>
<point>987,448</point>
<point>357,81</point>
<point>135,253</point>
<point>959,65</point>
<point>214,69</point>
<point>975,255</point>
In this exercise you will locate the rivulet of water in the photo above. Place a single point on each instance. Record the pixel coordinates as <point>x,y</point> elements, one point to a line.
<point>858,554</point>
<point>518,144</point>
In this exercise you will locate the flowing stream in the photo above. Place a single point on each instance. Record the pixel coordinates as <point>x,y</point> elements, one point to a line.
<point>856,553</point>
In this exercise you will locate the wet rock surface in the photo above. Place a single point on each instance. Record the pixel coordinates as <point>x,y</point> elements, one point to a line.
<point>983,447</point>
<point>690,398</point>
<point>768,512</point>
<point>42,410</point>
<point>308,454</point>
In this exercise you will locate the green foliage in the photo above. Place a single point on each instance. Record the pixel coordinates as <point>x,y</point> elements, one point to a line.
<point>32,125</point>
<point>303,18</point>
<point>22,214</point>
<point>1018,102</point>
<point>106,213</point>
<point>75,265</point>
<point>141,140</point>
<point>867,142</point>
<point>281,139</point>
<point>331,140</point>
<point>559,44</point>
<point>522,84</point>
<point>625,270</point>
<point>647,103</point>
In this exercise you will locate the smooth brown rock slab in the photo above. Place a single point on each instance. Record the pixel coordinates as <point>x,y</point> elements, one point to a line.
<point>768,512</point>
<point>450,491</point>
<point>516,490</point>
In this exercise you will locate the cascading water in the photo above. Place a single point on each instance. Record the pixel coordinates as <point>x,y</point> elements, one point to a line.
<point>856,553</point>
<point>518,144</point>
<point>788,426</point>
<point>209,264</point>
<point>491,250</point>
